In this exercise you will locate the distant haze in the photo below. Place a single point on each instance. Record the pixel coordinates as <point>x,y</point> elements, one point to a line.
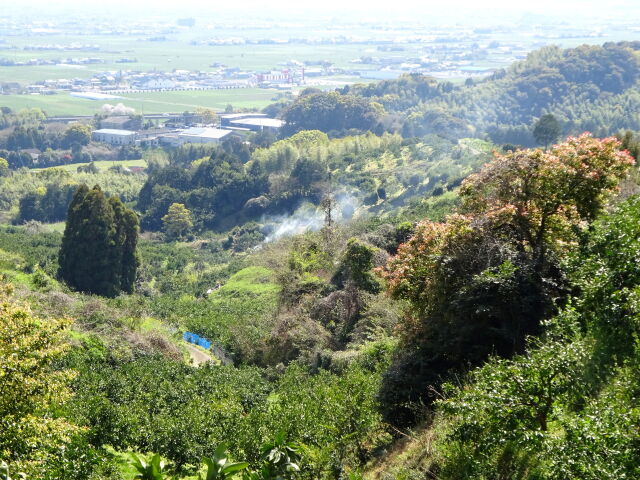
<point>452,10</point>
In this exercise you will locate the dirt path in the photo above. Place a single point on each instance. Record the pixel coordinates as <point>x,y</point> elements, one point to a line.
<point>198,356</point>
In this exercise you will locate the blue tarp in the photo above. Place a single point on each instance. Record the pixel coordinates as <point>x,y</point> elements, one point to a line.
<point>197,340</point>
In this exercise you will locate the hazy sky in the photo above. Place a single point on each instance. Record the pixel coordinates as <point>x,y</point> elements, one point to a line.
<point>440,9</point>
<point>538,6</point>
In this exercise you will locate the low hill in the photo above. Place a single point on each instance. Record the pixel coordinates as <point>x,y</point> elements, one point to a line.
<point>588,88</point>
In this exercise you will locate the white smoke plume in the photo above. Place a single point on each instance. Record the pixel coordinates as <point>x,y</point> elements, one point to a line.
<point>118,109</point>
<point>307,217</point>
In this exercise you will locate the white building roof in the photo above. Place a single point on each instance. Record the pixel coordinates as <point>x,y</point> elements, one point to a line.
<point>232,116</point>
<point>260,122</point>
<point>205,132</point>
<point>114,131</point>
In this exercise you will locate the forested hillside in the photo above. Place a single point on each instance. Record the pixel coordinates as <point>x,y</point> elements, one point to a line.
<point>362,173</point>
<point>565,408</point>
<point>395,288</point>
<point>589,88</point>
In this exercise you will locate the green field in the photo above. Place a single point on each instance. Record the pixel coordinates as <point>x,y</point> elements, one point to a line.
<point>160,102</point>
<point>178,52</point>
<point>175,53</point>
<point>152,102</point>
<point>102,165</point>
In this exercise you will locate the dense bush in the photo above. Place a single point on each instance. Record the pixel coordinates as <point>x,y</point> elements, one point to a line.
<point>37,249</point>
<point>32,391</point>
<point>330,112</point>
<point>568,407</point>
<point>211,189</point>
<point>382,172</point>
<point>152,404</point>
<point>478,283</point>
<point>45,195</point>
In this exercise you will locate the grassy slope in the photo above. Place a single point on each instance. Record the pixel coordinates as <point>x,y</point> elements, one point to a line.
<point>102,165</point>
<point>50,298</point>
<point>239,315</point>
<point>409,458</point>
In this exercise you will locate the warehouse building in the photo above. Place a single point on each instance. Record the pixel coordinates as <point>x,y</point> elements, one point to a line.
<point>114,136</point>
<point>202,135</point>
<point>227,118</point>
<point>258,124</point>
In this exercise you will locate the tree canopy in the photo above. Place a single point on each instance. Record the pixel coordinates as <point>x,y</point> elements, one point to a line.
<point>177,222</point>
<point>76,134</point>
<point>331,112</point>
<point>547,129</point>
<point>31,387</point>
<point>479,282</point>
<point>98,252</point>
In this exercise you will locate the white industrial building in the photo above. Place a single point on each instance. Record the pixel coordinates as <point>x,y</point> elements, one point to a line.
<point>227,118</point>
<point>202,135</point>
<point>258,124</point>
<point>163,136</point>
<point>250,121</point>
<point>114,136</point>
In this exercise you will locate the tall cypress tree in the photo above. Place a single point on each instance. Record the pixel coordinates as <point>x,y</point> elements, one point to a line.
<point>126,238</point>
<point>98,252</point>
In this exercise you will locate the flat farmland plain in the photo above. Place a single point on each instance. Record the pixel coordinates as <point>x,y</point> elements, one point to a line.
<point>149,102</point>
<point>173,53</point>
<point>176,52</point>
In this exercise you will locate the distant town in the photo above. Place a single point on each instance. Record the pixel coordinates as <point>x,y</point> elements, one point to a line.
<point>447,52</point>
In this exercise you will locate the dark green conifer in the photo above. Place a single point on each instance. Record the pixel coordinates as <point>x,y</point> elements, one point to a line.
<point>98,252</point>
<point>127,237</point>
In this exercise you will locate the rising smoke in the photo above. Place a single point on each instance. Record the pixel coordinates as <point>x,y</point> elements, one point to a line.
<point>308,217</point>
<point>118,109</point>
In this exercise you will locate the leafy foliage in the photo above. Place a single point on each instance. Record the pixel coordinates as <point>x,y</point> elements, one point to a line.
<point>356,267</point>
<point>154,470</point>
<point>45,195</point>
<point>219,467</point>
<point>330,112</point>
<point>568,408</point>
<point>547,130</point>
<point>279,460</point>
<point>177,221</point>
<point>479,283</point>
<point>48,204</point>
<point>583,88</point>
<point>76,134</point>
<point>154,404</point>
<point>31,389</point>
<point>379,173</point>
<point>544,197</point>
<point>211,189</point>
<point>401,94</point>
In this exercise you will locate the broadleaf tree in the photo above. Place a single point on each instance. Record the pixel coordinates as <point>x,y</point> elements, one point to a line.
<point>480,282</point>
<point>31,388</point>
